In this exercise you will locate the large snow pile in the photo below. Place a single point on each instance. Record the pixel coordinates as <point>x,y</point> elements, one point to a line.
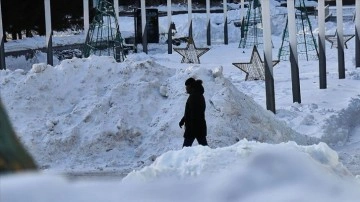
<point>94,111</point>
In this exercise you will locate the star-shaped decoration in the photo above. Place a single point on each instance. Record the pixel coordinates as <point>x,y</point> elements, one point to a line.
<point>255,69</point>
<point>191,54</point>
<point>333,39</point>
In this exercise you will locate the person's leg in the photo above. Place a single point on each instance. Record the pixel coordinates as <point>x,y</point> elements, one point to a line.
<point>202,140</point>
<point>188,141</point>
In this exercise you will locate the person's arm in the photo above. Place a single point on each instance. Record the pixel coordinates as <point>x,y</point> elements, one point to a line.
<point>182,122</point>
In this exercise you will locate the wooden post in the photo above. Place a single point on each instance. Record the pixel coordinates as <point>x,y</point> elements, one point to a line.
<point>269,77</point>
<point>242,16</point>
<point>48,32</point>
<point>357,33</point>
<point>86,16</point>
<point>293,51</point>
<point>116,9</point>
<point>226,37</point>
<point>169,25</point>
<point>340,39</point>
<point>144,27</point>
<point>2,48</point>
<point>242,10</point>
<point>190,18</point>
<point>208,28</point>
<point>322,47</point>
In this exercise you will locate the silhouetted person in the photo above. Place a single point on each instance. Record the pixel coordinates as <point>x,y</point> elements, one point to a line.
<point>194,117</point>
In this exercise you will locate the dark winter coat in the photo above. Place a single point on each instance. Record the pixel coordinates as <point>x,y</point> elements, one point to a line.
<point>194,117</point>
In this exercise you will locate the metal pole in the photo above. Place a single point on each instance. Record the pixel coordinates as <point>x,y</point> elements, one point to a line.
<point>190,17</point>
<point>357,33</point>
<point>169,25</point>
<point>226,38</point>
<point>340,38</point>
<point>322,47</point>
<point>48,32</point>
<point>208,29</point>
<point>144,27</point>
<point>293,52</point>
<point>269,77</point>
<point>2,48</point>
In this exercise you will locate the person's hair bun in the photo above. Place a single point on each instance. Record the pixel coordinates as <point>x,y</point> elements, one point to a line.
<point>189,81</point>
<point>199,81</point>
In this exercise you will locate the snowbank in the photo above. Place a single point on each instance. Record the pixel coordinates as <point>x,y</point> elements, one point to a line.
<point>96,114</point>
<point>204,161</point>
<point>246,171</point>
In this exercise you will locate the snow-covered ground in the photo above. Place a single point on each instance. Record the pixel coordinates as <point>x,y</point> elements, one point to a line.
<point>94,115</point>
